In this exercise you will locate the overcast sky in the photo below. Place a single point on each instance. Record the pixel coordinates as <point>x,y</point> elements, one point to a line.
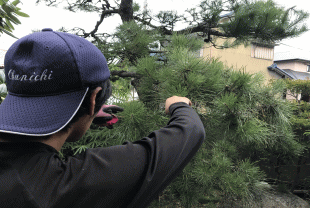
<point>42,16</point>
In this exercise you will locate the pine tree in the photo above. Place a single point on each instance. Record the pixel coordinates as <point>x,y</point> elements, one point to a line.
<point>246,122</point>
<point>300,124</point>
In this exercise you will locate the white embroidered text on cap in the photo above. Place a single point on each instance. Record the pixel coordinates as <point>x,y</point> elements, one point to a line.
<point>34,77</point>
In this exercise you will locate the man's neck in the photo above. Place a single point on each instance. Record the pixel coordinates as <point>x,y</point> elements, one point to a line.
<point>56,140</point>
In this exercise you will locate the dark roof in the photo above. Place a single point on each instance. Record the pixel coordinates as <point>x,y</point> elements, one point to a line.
<point>288,73</point>
<point>297,75</point>
<point>279,71</point>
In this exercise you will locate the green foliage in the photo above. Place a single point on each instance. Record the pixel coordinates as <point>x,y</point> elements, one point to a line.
<point>179,75</point>
<point>264,20</point>
<point>168,18</point>
<point>190,42</point>
<point>8,13</point>
<point>121,87</point>
<point>134,123</point>
<point>301,121</point>
<point>244,121</point>
<point>297,87</point>
<point>301,109</point>
<point>246,20</point>
<point>132,41</point>
<point>148,87</point>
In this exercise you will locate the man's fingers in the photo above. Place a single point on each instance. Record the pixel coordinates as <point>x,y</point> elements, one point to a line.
<point>112,109</point>
<point>176,99</point>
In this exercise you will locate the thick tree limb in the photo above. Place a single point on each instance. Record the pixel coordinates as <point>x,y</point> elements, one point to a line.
<point>125,11</point>
<point>203,28</point>
<point>156,51</point>
<point>199,28</point>
<point>125,74</point>
<point>163,29</point>
<point>108,6</point>
<point>145,22</point>
<point>102,16</point>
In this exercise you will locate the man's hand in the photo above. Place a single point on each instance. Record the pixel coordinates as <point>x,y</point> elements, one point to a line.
<point>176,99</point>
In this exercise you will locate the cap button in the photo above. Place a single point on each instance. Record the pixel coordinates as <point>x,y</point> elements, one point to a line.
<point>47,29</point>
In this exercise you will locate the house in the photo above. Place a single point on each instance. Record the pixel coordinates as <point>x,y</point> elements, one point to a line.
<point>297,65</point>
<point>253,58</point>
<point>292,65</point>
<point>279,73</point>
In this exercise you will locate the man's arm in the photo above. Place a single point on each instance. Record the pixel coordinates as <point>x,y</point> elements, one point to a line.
<point>133,174</point>
<point>169,149</point>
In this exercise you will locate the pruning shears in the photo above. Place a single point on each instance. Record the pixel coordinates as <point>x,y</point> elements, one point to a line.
<point>106,117</point>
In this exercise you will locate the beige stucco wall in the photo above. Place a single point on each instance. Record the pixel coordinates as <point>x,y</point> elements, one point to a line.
<point>240,57</point>
<point>293,65</point>
<point>274,75</point>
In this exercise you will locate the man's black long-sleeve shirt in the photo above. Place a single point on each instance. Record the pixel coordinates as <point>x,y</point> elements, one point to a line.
<point>125,176</point>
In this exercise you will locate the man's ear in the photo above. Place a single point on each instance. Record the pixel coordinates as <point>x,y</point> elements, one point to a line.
<point>93,101</point>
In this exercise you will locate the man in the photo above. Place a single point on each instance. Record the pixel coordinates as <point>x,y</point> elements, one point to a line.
<point>57,83</point>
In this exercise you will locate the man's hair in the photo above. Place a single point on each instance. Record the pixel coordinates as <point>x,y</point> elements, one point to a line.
<point>102,96</point>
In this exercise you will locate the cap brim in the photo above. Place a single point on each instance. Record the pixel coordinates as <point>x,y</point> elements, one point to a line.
<point>39,116</point>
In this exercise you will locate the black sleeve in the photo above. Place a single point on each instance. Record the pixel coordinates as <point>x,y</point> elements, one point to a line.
<point>169,151</point>
<point>133,174</point>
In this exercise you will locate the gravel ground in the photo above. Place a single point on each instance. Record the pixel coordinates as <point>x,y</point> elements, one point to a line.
<point>267,199</point>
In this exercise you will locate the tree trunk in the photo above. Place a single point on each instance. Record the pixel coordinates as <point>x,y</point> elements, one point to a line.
<point>126,10</point>
<point>277,169</point>
<point>297,178</point>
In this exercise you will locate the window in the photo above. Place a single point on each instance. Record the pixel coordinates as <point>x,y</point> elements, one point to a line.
<point>308,68</point>
<point>261,52</point>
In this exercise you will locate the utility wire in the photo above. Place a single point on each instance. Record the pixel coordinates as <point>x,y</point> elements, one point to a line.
<point>292,47</point>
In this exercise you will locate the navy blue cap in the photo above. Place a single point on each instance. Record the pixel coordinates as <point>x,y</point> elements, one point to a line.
<point>48,74</point>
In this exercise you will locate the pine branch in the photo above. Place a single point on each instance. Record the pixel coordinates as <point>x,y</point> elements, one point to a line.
<point>163,29</point>
<point>145,22</point>
<point>199,28</point>
<point>215,46</point>
<point>125,74</point>
<point>48,2</point>
<point>104,13</point>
